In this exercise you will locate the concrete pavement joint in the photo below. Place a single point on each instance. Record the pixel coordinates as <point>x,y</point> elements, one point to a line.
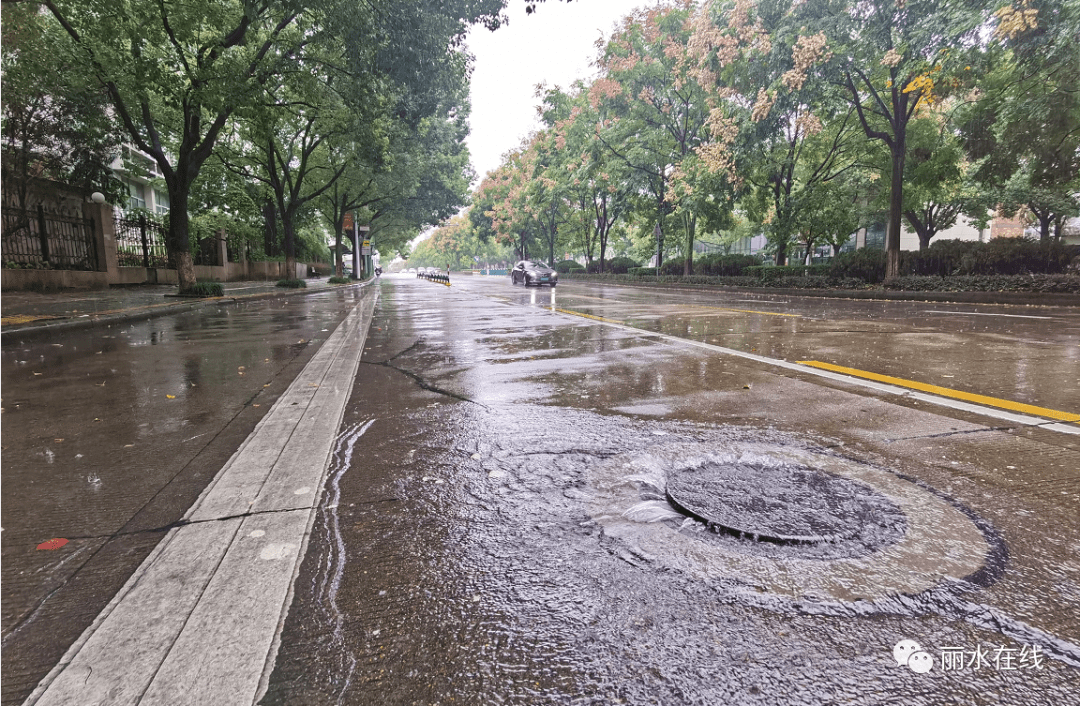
<point>424,384</point>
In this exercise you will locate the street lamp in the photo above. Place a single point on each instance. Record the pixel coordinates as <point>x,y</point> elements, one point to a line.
<point>97,197</point>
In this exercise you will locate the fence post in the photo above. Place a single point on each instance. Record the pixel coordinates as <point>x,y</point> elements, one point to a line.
<point>43,233</point>
<point>145,244</point>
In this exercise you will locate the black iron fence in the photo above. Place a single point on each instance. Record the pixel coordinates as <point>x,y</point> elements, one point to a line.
<point>207,252</point>
<point>140,242</point>
<point>46,239</point>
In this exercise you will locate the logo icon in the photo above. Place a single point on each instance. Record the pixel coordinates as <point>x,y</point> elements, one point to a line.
<point>908,652</point>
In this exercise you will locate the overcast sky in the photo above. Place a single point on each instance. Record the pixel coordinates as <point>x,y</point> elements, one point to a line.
<point>556,45</point>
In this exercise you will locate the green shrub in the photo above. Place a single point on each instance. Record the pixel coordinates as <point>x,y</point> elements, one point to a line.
<point>721,265</point>
<point>565,266</point>
<point>1048,283</point>
<point>771,273</point>
<point>620,265</point>
<point>338,280</point>
<point>672,267</point>
<point>639,271</point>
<point>205,289</point>
<point>866,264</point>
<point>292,283</point>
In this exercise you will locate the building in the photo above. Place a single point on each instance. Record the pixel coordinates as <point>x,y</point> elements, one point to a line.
<point>141,176</point>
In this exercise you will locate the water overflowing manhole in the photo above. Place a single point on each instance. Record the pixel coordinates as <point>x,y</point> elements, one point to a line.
<point>837,529</point>
<point>784,503</point>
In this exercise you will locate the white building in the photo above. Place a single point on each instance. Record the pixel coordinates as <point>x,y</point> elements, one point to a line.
<point>143,180</point>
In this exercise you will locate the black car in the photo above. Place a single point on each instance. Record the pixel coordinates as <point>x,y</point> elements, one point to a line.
<point>533,272</point>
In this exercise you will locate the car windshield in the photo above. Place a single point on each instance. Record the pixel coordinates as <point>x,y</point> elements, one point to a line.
<point>537,266</point>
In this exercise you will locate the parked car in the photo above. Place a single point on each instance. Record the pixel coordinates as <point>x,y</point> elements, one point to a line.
<point>533,272</point>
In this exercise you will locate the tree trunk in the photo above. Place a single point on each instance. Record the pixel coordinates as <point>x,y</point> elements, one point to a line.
<point>290,244</point>
<point>179,245</point>
<point>781,254</point>
<point>270,236</point>
<point>690,224</point>
<point>896,205</point>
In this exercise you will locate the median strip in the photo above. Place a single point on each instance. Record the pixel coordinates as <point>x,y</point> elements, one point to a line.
<point>947,392</point>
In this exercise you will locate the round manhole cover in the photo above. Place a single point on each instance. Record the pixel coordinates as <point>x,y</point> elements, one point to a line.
<point>786,504</point>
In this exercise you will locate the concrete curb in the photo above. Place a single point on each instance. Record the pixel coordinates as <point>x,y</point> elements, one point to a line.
<point>39,328</point>
<point>1005,298</point>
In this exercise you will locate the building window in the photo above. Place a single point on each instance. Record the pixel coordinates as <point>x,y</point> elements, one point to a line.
<point>161,202</point>
<point>136,199</point>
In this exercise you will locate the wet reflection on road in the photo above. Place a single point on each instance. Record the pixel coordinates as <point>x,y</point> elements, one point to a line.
<point>507,539</point>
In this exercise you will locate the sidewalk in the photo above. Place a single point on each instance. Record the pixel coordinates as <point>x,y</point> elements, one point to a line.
<point>31,312</point>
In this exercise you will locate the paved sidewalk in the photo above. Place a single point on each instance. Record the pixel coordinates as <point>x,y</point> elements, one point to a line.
<point>27,312</point>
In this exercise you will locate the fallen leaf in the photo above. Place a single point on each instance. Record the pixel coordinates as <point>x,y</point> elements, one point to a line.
<point>58,440</point>
<point>37,373</point>
<point>102,384</point>
<point>171,397</point>
<point>51,544</point>
<point>128,446</point>
<point>254,405</point>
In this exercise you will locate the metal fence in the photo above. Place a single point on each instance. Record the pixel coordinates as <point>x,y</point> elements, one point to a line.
<point>48,239</point>
<point>140,242</point>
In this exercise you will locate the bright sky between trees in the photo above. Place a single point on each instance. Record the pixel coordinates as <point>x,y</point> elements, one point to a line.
<point>555,45</point>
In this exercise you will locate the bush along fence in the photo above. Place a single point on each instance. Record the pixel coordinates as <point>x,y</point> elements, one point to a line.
<point>1002,264</point>
<point>47,249</point>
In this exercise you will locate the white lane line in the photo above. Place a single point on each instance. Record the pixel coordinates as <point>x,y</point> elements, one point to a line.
<point>976,313</point>
<point>198,621</point>
<point>847,379</point>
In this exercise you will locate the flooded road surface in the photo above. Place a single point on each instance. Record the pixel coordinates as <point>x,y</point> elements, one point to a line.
<point>110,434</point>
<point>522,507</point>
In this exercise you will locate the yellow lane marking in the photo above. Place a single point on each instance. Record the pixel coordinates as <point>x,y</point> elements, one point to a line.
<point>587,316</point>
<point>745,311</point>
<point>24,319</point>
<point>946,392</point>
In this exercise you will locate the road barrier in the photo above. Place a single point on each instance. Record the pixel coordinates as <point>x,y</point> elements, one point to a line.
<point>434,277</point>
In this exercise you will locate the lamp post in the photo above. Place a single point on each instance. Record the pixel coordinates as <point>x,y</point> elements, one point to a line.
<point>97,197</point>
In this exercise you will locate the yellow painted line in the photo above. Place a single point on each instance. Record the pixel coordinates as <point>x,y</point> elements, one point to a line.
<point>587,316</point>
<point>947,392</point>
<point>745,311</point>
<point>24,319</point>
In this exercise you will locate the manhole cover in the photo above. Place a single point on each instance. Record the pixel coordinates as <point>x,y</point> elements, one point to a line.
<point>786,504</point>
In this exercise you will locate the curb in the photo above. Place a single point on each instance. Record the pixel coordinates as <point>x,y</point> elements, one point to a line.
<point>35,329</point>
<point>1004,298</point>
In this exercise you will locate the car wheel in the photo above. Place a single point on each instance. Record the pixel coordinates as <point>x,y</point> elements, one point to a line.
<point>553,285</point>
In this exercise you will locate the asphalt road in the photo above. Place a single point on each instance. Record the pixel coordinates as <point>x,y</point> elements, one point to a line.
<point>493,525</point>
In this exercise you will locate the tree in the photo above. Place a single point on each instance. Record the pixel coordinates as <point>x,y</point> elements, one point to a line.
<point>56,121</point>
<point>176,72</point>
<point>937,189</point>
<point>1021,127</point>
<point>795,132</point>
<point>661,116</point>
<point>893,58</point>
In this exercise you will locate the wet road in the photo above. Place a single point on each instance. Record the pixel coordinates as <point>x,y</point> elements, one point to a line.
<point>497,524</point>
<point>109,436</point>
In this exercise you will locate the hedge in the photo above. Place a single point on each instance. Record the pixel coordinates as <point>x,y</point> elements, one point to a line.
<point>565,266</point>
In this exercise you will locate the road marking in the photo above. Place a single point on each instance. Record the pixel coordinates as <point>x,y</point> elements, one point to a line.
<point>199,620</point>
<point>975,313</point>
<point>878,386</point>
<point>745,311</point>
<point>948,392</point>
